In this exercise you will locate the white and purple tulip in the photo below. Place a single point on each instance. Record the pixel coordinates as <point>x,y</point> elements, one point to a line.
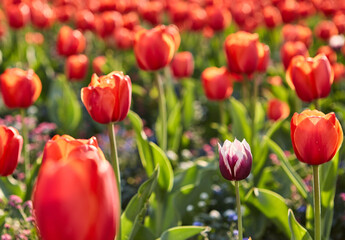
<point>235,160</point>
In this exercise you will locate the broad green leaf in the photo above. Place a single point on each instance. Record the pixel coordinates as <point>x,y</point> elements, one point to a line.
<point>151,155</point>
<point>134,214</point>
<point>328,178</point>
<point>288,169</point>
<point>255,222</point>
<point>181,233</point>
<point>144,233</point>
<point>272,205</point>
<point>10,186</point>
<point>297,231</point>
<point>240,125</point>
<point>63,106</point>
<point>259,116</point>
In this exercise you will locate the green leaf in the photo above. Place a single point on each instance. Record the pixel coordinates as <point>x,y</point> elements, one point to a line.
<point>10,186</point>
<point>134,214</point>
<point>240,125</point>
<point>151,155</point>
<point>63,106</point>
<point>174,127</point>
<point>328,178</point>
<point>187,103</point>
<point>297,231</point>
<point>181,233</point>
<point>144,233</point>
<point>288,169</point>
<point>272,205</point>
<point>259,116</point>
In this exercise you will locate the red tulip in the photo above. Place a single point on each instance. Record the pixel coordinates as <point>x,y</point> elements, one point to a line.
<point>18,15</point>
<point>339,21</point>
<point>339,71</point>
<point>272,16</point>
<point>297,33</point>
<point>182,65</point>
<point>84,203</point>
<point>155,48</point>
<point>291,49</point>
<point>197,18</point>
<point>264,57</point>
<point>10,148</point>
<point>70,42</point>
<point>217,83</point>
<point>63,13</point>
<point>108,98</point>
<point>42,16</point>
<point>315,137</point>
<point>107,22</point>
<point>241,50</point>
<point>178,12</point>
<point>19,88</point>
<point>277,110</point>
<point>85,20</point>
<point>218,17</point>
<point>76,67</point>
<point>98,63</point>
<point>289,10</point>
<point>124,38</point>
<point>152,11</point>
<point>325,30</point>
<point>329,52</point>
<point>34,38</point>
<point>310,77</point>
<point>131,20</point>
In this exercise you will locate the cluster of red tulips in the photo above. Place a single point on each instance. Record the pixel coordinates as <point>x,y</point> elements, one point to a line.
<point>76,186</point>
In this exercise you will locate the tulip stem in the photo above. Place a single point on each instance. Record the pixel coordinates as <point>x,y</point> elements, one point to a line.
<point>115,164</point>
<point>25,143</point>
<point>238,208</point>
<point>317,104</point>
<point>162,111</point>
<point>222,114</point>
<point>253,106</point>
<point>317,203</point>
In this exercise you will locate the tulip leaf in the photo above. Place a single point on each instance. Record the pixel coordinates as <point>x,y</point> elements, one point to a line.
<point>187,102</point>
<point>135,211</point>
<point>240,125</point>
<point>297,231</point>
<point>174,128</point>
<point>63,106</point>
<point>151,155</point>
<point>10,186</point>
<point>182,233</point>
<point>289,170</point>
<point>265,200</point>
<point>328,178</point>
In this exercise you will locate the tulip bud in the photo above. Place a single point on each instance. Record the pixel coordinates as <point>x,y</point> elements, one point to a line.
<point>217,83</point>
<point>11,144</point>
<point>107,22</point>
<point>98,63</point>
<point>311,78</point>
<point>315,137</point>
<point>325,30</point>
<point>19,88</point>
<point>329,52</point>
<point>339,71</point>
<point>264,57</point>
<point>163,41</point>
<point>182,65</point>
<point>18,15</point>
<point>124,38</point>
<point>85,20</point>
<point>152,11</point>
<point>297,33</point>
<point>272,16</point>
<point>277,110</point>
<point>291,49</point>
<point>85,202</point>
<point>42,15</point>
<point>218,17</point>
<point>108,98</point>
<point>70,42</point>
<point>235,160</point>
<point>76,67</point>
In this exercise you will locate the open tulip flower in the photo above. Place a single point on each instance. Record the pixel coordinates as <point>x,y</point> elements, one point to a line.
<point>11,144</point>
<point>75,196</point>
<point>316,137</point>
<point>108,98</point>
<point>235,159</point>
<point>311,78</point>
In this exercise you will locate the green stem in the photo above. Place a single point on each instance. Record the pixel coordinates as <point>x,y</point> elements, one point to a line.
<point>317,203</point>
<point>222,114</point>
<point>159,216</point>
<point>317,104</point>
<point>244,91</point>
<point>115,164</point>
<point>25,143</point>
<point>162,111</point>
<point>239,215</point>
<point>253,109</point>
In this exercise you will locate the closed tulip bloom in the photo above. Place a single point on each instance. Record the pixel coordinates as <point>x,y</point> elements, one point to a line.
<point>218,17</point>
<point>98,63</point>
<point>152,11</point>
<point>311,78</point>
<point>272,16</point>
<point>197,18</point>
<point>289,10</point>
<point>131,20</point>
<point>315,137</point>
<point>339,21</point>
<point>76,67</point>
<point>242,52</point>
<point>329,52</point>
<point>18,15</point>
<point>325,30</point>
<point>217,83</point>
<point>75,196</point>
<point>339,71</point>
<point>85,20</point>
<point>124,38</point>
<point>235,160</point>
<point>155,48</point>
<point>11,144</point>
<point>277,110</point>
<point>107,22</point>
<point>182,65</point>
<point>70,42</point>
<point>108,98</point>
<point>19,88</point>
<point>291,49</point>
<point>297,33</point>
<point>42,16</point>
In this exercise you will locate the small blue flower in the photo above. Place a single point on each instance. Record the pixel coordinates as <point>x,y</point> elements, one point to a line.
<point>196,223</point>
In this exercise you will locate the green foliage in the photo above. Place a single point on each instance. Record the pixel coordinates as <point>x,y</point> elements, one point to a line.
<point>297,231</point>
<point>181,233</point>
